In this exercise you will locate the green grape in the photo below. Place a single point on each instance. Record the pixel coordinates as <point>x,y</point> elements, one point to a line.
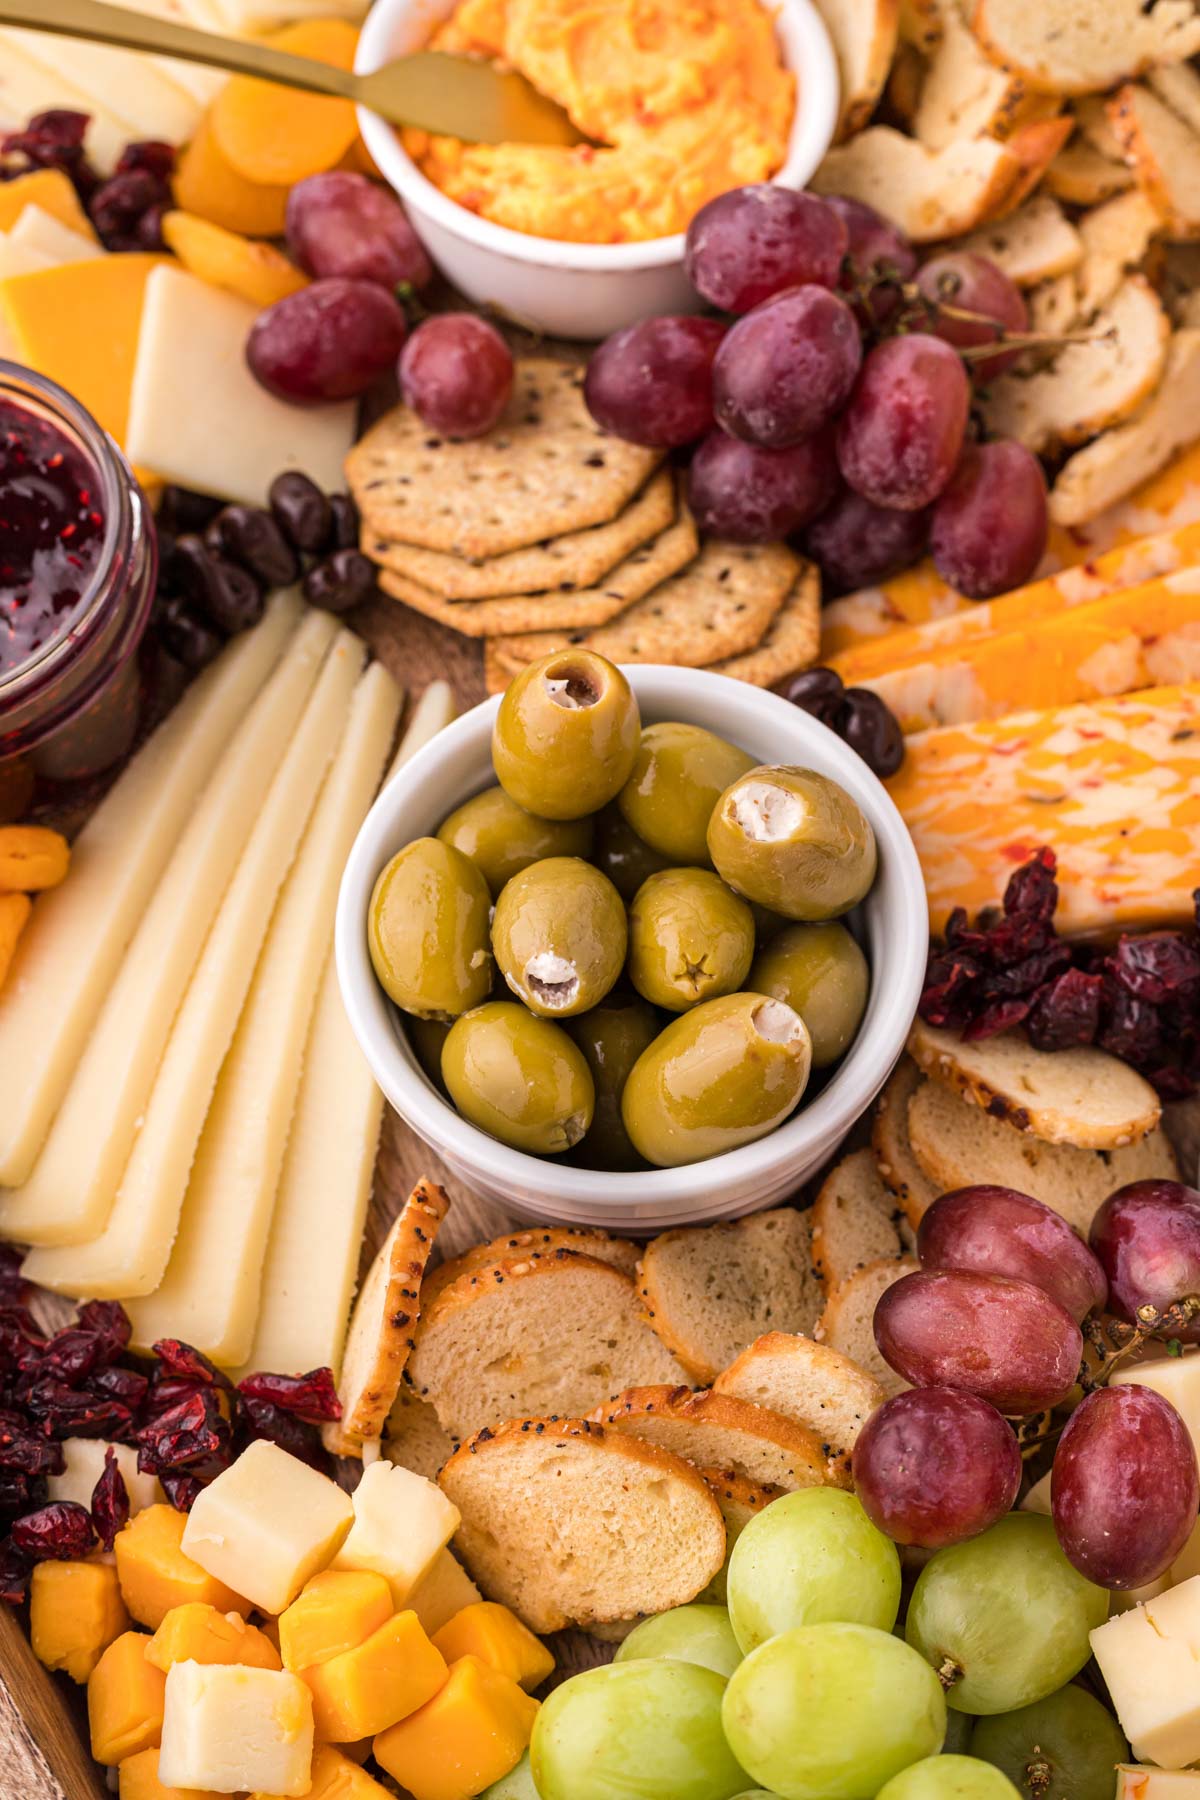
<point>831,1712</point>
<point>1062,1748</point>
<point>516,1785</point>
<point>756,1794</point>
<point>1004,1617</point>
<point>958,1734</point>
<point>949,1778</point>
<point>693,1634</point>
<point>811,1558</point>
<point>648,1730</point>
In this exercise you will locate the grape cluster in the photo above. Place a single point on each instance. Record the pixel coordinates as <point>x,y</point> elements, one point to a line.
<point>836,408</point>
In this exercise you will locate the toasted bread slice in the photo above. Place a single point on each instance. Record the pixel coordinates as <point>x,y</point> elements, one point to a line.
<point>1178,86</point>
<point>856,1220</point>
<point>864,39</point>
<point>413,1438</point>
<point>964,94</point>
<point>1061,47</point>
<point>921,23</point>
<point>1181,1122</point>
<point>1104,472</point>
<point>539,1240</point>
<point>740,1501</point>
<point>846,1325</point>
<point>383,1323</point>
<point>717,1431</point>
<point>902,95</point>
<point>1087,386</point>
<point>710,1290</point>
<point>1033,244</point>
<point>929,194</point>
<point>570,1524</point>
<point>1116,238</point>
<point>1082,1097</point>
<point>536,1335</point>
<point>1083,176</point>
<point>1164,153</point>
<point>1035,144</point>
<point>1054,306</point>
<point>809,1382</point>
<point>898,1167</point>
<point>957,1146</point>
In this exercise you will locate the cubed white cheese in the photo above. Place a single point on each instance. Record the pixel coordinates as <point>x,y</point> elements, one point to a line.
<point>442,1591</point>
<point>401,1523</point>
<point>1037,1500</point>
<point>228,1728</point>
<point>264,1527</point>
<point>1157,1784</point>
<point>47,237</point>
<point>1148,1657</point>
<point>1177,1379</point>
<point>84,1459</point>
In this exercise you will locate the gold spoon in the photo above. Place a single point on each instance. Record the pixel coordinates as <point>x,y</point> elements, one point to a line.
<point>458,96</point>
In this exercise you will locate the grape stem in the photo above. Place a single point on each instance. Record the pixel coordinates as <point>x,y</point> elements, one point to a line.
<point>1038,1774</point>
<point>1153,1324</point>
<point>1013,340</point>
<point>949,1673</point>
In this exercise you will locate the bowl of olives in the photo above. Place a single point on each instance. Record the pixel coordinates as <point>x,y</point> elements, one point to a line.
<point>632,947</point>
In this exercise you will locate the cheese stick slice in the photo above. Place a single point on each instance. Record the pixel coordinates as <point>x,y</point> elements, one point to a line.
<point>70,951</point>
<point>209,1295</point>
<point>130,1255</point>
<point>68,1197</point>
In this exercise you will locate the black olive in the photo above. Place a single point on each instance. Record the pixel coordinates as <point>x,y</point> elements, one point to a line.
<point>870,726</point>
<point>816,691</point>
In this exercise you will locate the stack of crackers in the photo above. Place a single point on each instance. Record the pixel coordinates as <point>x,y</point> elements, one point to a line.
<point>549,532</point>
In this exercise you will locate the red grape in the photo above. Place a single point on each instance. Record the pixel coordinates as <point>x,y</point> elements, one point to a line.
<point>857,543</point>
<point>786,368</point>
<point>330,341</point>
<point>935,1466</point>
<point>1125,1488</point>
<point>989,526</point>
<point>753,242</point>
<point>900,438</point>
<point>876,247</point>
<point>457,373</point>
<point>1147,1237</point>
<point>963,281</point>
<point>1006,1341</point>
<point>998,1231</point>
<point>652,382</point>
<point>756,496</point>
<point>340,223</point>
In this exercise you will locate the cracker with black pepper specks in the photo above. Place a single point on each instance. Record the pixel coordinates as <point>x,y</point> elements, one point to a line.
<point>792,640</point>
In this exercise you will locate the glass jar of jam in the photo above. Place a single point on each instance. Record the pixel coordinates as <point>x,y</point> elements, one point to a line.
<point>77,573</point>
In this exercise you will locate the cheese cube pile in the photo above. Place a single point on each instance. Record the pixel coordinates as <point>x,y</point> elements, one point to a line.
<point>1148,1658</point>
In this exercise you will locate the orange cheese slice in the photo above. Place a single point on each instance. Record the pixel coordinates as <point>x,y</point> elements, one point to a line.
<point>49,189</point>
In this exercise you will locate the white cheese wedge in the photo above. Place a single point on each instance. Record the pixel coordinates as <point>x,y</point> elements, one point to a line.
<point>227,1727</point>
<point>130,1254</point>
<point>203,84</point>
<point>434,710</point>
<point>269,1522</point>
<point>19,259</point>
<point>198,417</point>
<point>51,240</point>
<point>32,84</point>
<point>442,1591</point>
<point>402,1523</point>
<point>70,950</point>
<point>121,80</point>
<point>1148,1658</point>
<point>1177,1379</point>
<point>70,1194</point>
<point>1037,1500</point>
<point>84,1460</point>
<point>209,1295</point>
<point>1157,1784</point>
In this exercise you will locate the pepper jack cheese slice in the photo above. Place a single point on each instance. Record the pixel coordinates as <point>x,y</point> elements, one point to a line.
<point>129,1256</point>
<point>68,1198</point>
<point>209,1295</point>
<point>1114,786</point>
<point>71,949</point>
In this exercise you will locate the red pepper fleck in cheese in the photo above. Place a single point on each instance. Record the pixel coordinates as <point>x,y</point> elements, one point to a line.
<point>1113,787</point>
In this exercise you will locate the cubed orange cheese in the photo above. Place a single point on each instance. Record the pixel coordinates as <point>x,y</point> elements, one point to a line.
<point>75,1613</point>
<point>336,1777</point>
<point>53,192</point>
<point>1114,787</point>
<point>335,1611</point>
<point>137,1779</point>
<point>498,1638</point>
<point>125,1700</point>
<point>156,1576</point>
<point>470,1734</point>
<point>197,1632</point>
<point>386,1677</point>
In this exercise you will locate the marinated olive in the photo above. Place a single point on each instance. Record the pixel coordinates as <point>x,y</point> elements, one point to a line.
<point>559,936</point>
<point>679,774</point>
<point>566,735</point>
<point>519,1078</point>
<point>720,1076</point>
<point>427,930</point>
<point>501,838</point>
<point>794,841</point>
<point>690,939</point>
<point>822,974</point>
<point>612,1037</point>
<point>622,856</point>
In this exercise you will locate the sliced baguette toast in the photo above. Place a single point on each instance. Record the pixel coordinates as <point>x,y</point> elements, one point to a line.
<point>1063,47</point>
<point>864,40</point>
<point>1083,175</point>
<point>855,1220</point>
<point>413,1438</point>
<point>812,1383</point>
<point>1164,153</point>
<point>1032,244</point>
<point>1181,1122</point>
<point>898,1167</point>
<point>717,1431</point>
<point>846,1325</point>
<point>930,194</point>
<point>1106,470</point>
<point>538,1240</point>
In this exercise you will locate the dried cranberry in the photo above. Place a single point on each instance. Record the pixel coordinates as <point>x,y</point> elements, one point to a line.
<point>1026,976</point>
<point>819,692</point>
<point>125,1385</point>
<point>149,156</point>
<point>184,1363</point>
<point>1066,1011</point>
<point>24,1448</point>
<point>266,1420</point>
<point>69,1355</point>
<point>312,1396</point>
<point>110,1501</point>
<point>148,232</point>
<point>950,983</point>
<point>117,206</point>
<point>19,1494</point>
<point>60,1532</point>
<point>1160,966</point>
<point>14,1573</point>
<point>998,1016</point>
<point>193,1435</point>
<point>1032,890</point>
<point>14,1289</point>
<point>181,1490</point>
<point>70,1414</point>
<point>109,1324</point>
<point>52,140</point>
<point>1130,1028</point>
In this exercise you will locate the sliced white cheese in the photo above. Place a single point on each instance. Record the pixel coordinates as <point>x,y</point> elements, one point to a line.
<point>402,1523</point>
<point>83,1460</point>
<point>198,417</point>
<point>227,1727</point>
<point>1148,1658</point>
<point>19,259</point>
<point>1177,1379</point>
<point>202,83</point>
<point>432,711</point>
<point>1037,1500</point>
<point>126,83</point>
<point>70,950</point>
<point>68,1197</point>
<point>209,1295</point>
<point>32,84</point>
<point>49,239</point>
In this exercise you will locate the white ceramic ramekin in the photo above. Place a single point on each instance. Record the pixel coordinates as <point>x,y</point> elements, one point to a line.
<point>894,927</point>
<point>576,290</point>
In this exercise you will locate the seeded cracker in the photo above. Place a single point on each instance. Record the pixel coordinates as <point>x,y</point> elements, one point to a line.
<point>792,640</point>
<point>547,468</point>
<point>577,560</point>
<point>638,575</point>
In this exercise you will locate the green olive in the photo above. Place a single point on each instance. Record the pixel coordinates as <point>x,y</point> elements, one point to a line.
<point>519,1078</point>
<point>690,939</point>
<point>427,1037</point>
<point>559,936</point>
<point>794,841</point>
<point>501,838</point>
<point>428,930</point>
<point>720,1076</point>
<point>621,854</point>
<point>612,1037</point>
<point>566,735</point>
<point>822,974</point>
<point>679,774</point>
